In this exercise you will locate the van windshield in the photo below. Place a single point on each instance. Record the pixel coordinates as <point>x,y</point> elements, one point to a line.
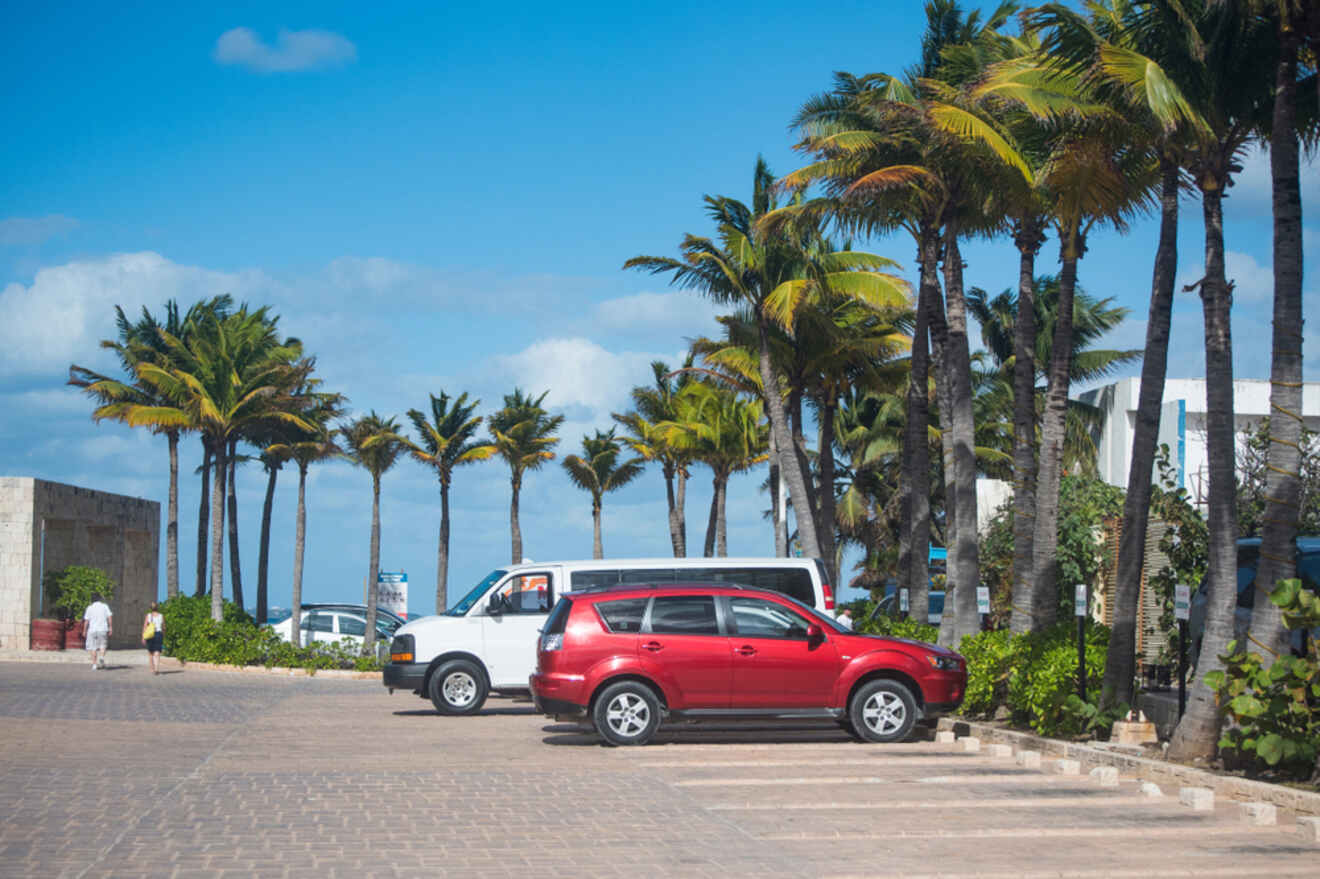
<point>474,596</point>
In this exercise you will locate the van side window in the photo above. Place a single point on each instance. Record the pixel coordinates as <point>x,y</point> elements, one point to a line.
<point>527,593</point>
<point>684,615</point>
<point>590,579</point>
<point>648,575</point>
<point>793,582</point>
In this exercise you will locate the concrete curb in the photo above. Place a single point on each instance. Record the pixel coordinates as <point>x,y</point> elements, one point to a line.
<point>342,674</point>
<point>1161,772</point>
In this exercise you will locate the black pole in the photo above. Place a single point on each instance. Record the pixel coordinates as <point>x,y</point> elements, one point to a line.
<point>1182,667</point>
<point>1081,657</point>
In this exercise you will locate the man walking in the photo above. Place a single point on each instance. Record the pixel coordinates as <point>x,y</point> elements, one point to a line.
<point>98,623</point>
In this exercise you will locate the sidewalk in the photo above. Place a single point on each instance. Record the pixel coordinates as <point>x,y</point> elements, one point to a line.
<point>136,656</point>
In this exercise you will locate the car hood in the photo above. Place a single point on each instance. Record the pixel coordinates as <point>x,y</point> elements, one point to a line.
<point>911,642</point>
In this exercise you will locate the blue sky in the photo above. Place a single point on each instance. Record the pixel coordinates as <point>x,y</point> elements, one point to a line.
<point>440,197</point>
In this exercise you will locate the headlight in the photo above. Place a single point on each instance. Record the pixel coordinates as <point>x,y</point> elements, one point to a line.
<point>943,663</point>
<point>552,642</point>
<point>401,648</point>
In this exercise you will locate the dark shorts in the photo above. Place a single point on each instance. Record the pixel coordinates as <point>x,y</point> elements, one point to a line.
<point>154,642</point>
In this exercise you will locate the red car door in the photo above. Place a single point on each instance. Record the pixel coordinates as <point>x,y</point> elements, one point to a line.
<point>686,650</point>
<point>774,663</point>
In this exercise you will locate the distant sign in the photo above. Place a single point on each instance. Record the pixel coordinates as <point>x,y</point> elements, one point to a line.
<point>1079,600</point>
<point>1182,601</point>
<point>392,592</point>
<point>982,599</point>
<point>903,599</point>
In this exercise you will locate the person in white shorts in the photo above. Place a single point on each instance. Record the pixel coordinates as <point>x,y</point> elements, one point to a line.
<point>97,620</point>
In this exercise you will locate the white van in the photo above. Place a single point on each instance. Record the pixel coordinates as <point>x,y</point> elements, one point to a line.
<point>486,642</point>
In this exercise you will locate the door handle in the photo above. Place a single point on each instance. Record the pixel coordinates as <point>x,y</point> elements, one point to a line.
<point>746,650</point>
<point>653,646</point>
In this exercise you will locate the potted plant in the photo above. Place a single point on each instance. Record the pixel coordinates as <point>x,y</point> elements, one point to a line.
<point>69,591</point>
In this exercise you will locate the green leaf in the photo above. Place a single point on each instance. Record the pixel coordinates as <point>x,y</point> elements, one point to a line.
<point>1214,680</point>
<point>1271,749</point>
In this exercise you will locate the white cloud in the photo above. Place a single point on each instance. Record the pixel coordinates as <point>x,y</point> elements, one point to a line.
<point>292,51</point>
<point>1251,196</point>
<point>18,231</point>
<point>678,311</point>
<point>66,310</point>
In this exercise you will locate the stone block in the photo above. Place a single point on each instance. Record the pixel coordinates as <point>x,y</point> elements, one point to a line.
<point>945,737</point>
<point>1067,767</point>
<point>1308,829</point>
<point>999,750</point>
<point>1201,799</point>
<point>1029,759</point>
<point>970,744</point>
<point>1151,789</point>
<point>1133,733</point>
<point>1260,814</point>
<point>1105,776</point>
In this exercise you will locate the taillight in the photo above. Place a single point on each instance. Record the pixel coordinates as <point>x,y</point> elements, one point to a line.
<point>552,642</point>
<point>829,596</point>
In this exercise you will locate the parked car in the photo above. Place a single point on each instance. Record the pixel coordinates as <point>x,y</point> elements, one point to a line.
<point>1248,560</point>
<point>888,606</point>
<point>627,659</point>
<point>337,622</point>
<point>486,642</point>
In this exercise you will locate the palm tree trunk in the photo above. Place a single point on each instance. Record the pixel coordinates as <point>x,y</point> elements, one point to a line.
<point>674,540</point>
<point>1120,663</point>
<point>1028,237</point>
<point>515,532</point>
<point>263,550</point>
<point>789,464</point>
<point>299,546</point>
<point>1283,479</point>
<point>203,518</point>
<point>964,562</point>
<point>713,518</point>
<point>916,433</point>
<point>1045,601</point>
<point>597,548</point>
<point>1198,731</point>
<point>218,532</point>
<point>680,509</point>
<point>800,452</point>
<point>825,495</point>
<point>235,571</point>
<point>721,523</point>
<point>939,344</point>
<point>373,570</point>
<point>777,514</point>
<point>172,520</point>
<point>442,554</point>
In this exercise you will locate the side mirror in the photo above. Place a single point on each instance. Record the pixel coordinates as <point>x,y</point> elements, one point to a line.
<point>495,607</point>
<point>815,633</point>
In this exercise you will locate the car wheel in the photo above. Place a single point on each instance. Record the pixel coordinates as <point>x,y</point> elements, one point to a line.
<point>883,711</point>
<point>626,713</point>
<point>458,687</point>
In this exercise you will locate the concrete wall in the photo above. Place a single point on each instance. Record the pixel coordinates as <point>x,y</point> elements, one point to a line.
<point>45,526</point>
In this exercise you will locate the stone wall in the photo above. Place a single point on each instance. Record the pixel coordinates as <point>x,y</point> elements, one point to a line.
<point>45,526</point>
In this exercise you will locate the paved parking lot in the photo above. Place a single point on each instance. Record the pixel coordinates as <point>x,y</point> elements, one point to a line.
<point>197,773</point>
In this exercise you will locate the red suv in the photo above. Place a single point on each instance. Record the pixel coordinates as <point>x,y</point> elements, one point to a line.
<point>627,657</point>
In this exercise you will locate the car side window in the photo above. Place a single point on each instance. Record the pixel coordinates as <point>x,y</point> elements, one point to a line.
<point>624,615</point>
<point>684,615</point>
<point>758,618</point>
<point>351,625</point>
<point>526,594</point>
<point>318,622</point>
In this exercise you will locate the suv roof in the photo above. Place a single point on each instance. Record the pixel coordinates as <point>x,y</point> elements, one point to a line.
<point>615,588</point>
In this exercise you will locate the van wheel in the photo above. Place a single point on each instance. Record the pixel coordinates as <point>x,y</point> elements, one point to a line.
<point>626,713</point>
<point>883,711</point>
<point>458,687</point>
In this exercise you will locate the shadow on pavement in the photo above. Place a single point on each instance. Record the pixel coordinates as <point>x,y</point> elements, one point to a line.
<point>485,712</point>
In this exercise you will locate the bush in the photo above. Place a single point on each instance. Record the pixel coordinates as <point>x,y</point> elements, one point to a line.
<point>893,627</point>
<point>191,635</point>
<point>69,590</point>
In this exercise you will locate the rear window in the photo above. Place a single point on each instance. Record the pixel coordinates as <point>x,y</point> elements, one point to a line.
<point>684,615</point>
<point>558,619</point>
<point>624,615</point>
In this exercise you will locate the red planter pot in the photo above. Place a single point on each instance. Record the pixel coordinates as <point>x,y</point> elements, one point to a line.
<point>74,639</point>
<point>47,635</point>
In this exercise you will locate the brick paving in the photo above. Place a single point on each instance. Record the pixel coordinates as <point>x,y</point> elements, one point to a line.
<point>201,773</point>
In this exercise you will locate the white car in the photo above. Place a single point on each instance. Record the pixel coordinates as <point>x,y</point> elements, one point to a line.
<point>333,623</point>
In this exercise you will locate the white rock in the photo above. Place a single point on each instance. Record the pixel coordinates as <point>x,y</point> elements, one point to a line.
<point>1106,776</point>
<point>1029,759</point>
<point>1258,813</point>
<point>1202,799</point>
<point>1067,767</point>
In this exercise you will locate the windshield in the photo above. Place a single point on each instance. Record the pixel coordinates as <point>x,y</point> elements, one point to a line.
<point>474,596</point>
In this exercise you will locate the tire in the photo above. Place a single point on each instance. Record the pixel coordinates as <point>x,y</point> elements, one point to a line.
<point>883,711</point>
<point>458,687</point>
<point>626,713</point>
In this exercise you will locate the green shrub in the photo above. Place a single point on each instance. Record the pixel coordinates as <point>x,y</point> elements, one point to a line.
<point>69,590</point>
<point>989,658</point>
<point>191,635</point>
<point>892,627</point>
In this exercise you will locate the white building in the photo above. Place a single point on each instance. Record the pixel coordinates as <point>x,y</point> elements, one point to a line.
<point>1182,425</point>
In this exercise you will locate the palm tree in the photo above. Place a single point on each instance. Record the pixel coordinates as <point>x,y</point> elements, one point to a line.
<point>523,433</point>
<point>137,404</point>
<point>652,405</point>
<point>306,447</point>
<point>374,444</point>
<point>447,442</point>
<point>230,375</point>
<point>597,471</point>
